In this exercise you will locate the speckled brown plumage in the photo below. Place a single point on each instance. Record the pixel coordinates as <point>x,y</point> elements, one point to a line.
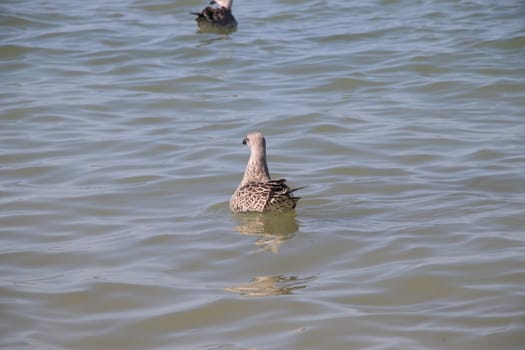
<point>257,192</point>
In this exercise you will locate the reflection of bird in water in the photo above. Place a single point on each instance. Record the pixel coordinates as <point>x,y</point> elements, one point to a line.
<point>257,192</point>
<point>216,18</point>
<point>262,286</point>
<point>271,230</point>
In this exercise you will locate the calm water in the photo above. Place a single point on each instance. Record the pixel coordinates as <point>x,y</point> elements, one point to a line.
<point>120,145</point>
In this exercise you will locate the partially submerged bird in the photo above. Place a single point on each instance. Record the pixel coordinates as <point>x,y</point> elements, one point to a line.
<point>219,18</point>
<point>257,192</point>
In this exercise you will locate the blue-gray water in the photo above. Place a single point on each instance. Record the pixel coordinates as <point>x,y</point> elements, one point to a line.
<point>120,145</point>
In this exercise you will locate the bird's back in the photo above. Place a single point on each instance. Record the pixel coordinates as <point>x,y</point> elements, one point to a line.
<point>273,196</point>
<point>215,18</point>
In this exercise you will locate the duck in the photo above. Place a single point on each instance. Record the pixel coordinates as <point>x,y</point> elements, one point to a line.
<point>257,192</point>
<point>216,18</point>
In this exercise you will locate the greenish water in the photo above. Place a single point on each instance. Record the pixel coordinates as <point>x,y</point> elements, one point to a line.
<point>120,145</point>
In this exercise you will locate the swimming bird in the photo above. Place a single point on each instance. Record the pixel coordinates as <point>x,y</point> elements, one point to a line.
<point>216,18</point>
<point>257,192</point>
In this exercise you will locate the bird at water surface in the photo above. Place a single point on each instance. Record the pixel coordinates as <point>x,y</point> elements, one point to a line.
<point>218,18</point>
<point>257,192</point>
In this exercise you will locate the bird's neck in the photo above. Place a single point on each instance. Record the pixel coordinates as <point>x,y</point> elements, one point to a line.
<point>256,170</point>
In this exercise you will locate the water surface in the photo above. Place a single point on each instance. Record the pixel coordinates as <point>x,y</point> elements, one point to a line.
<point>120,145</point>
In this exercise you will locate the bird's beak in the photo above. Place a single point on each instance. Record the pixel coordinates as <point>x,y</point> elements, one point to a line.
<point>244,141</point>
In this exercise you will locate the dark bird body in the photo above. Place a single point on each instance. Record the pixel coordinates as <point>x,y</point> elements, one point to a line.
<point>219,18</point>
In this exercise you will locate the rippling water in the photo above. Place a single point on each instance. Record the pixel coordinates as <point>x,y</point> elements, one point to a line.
<point>120,144</point>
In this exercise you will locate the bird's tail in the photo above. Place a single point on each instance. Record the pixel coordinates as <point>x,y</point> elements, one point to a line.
<point>298,188</point>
